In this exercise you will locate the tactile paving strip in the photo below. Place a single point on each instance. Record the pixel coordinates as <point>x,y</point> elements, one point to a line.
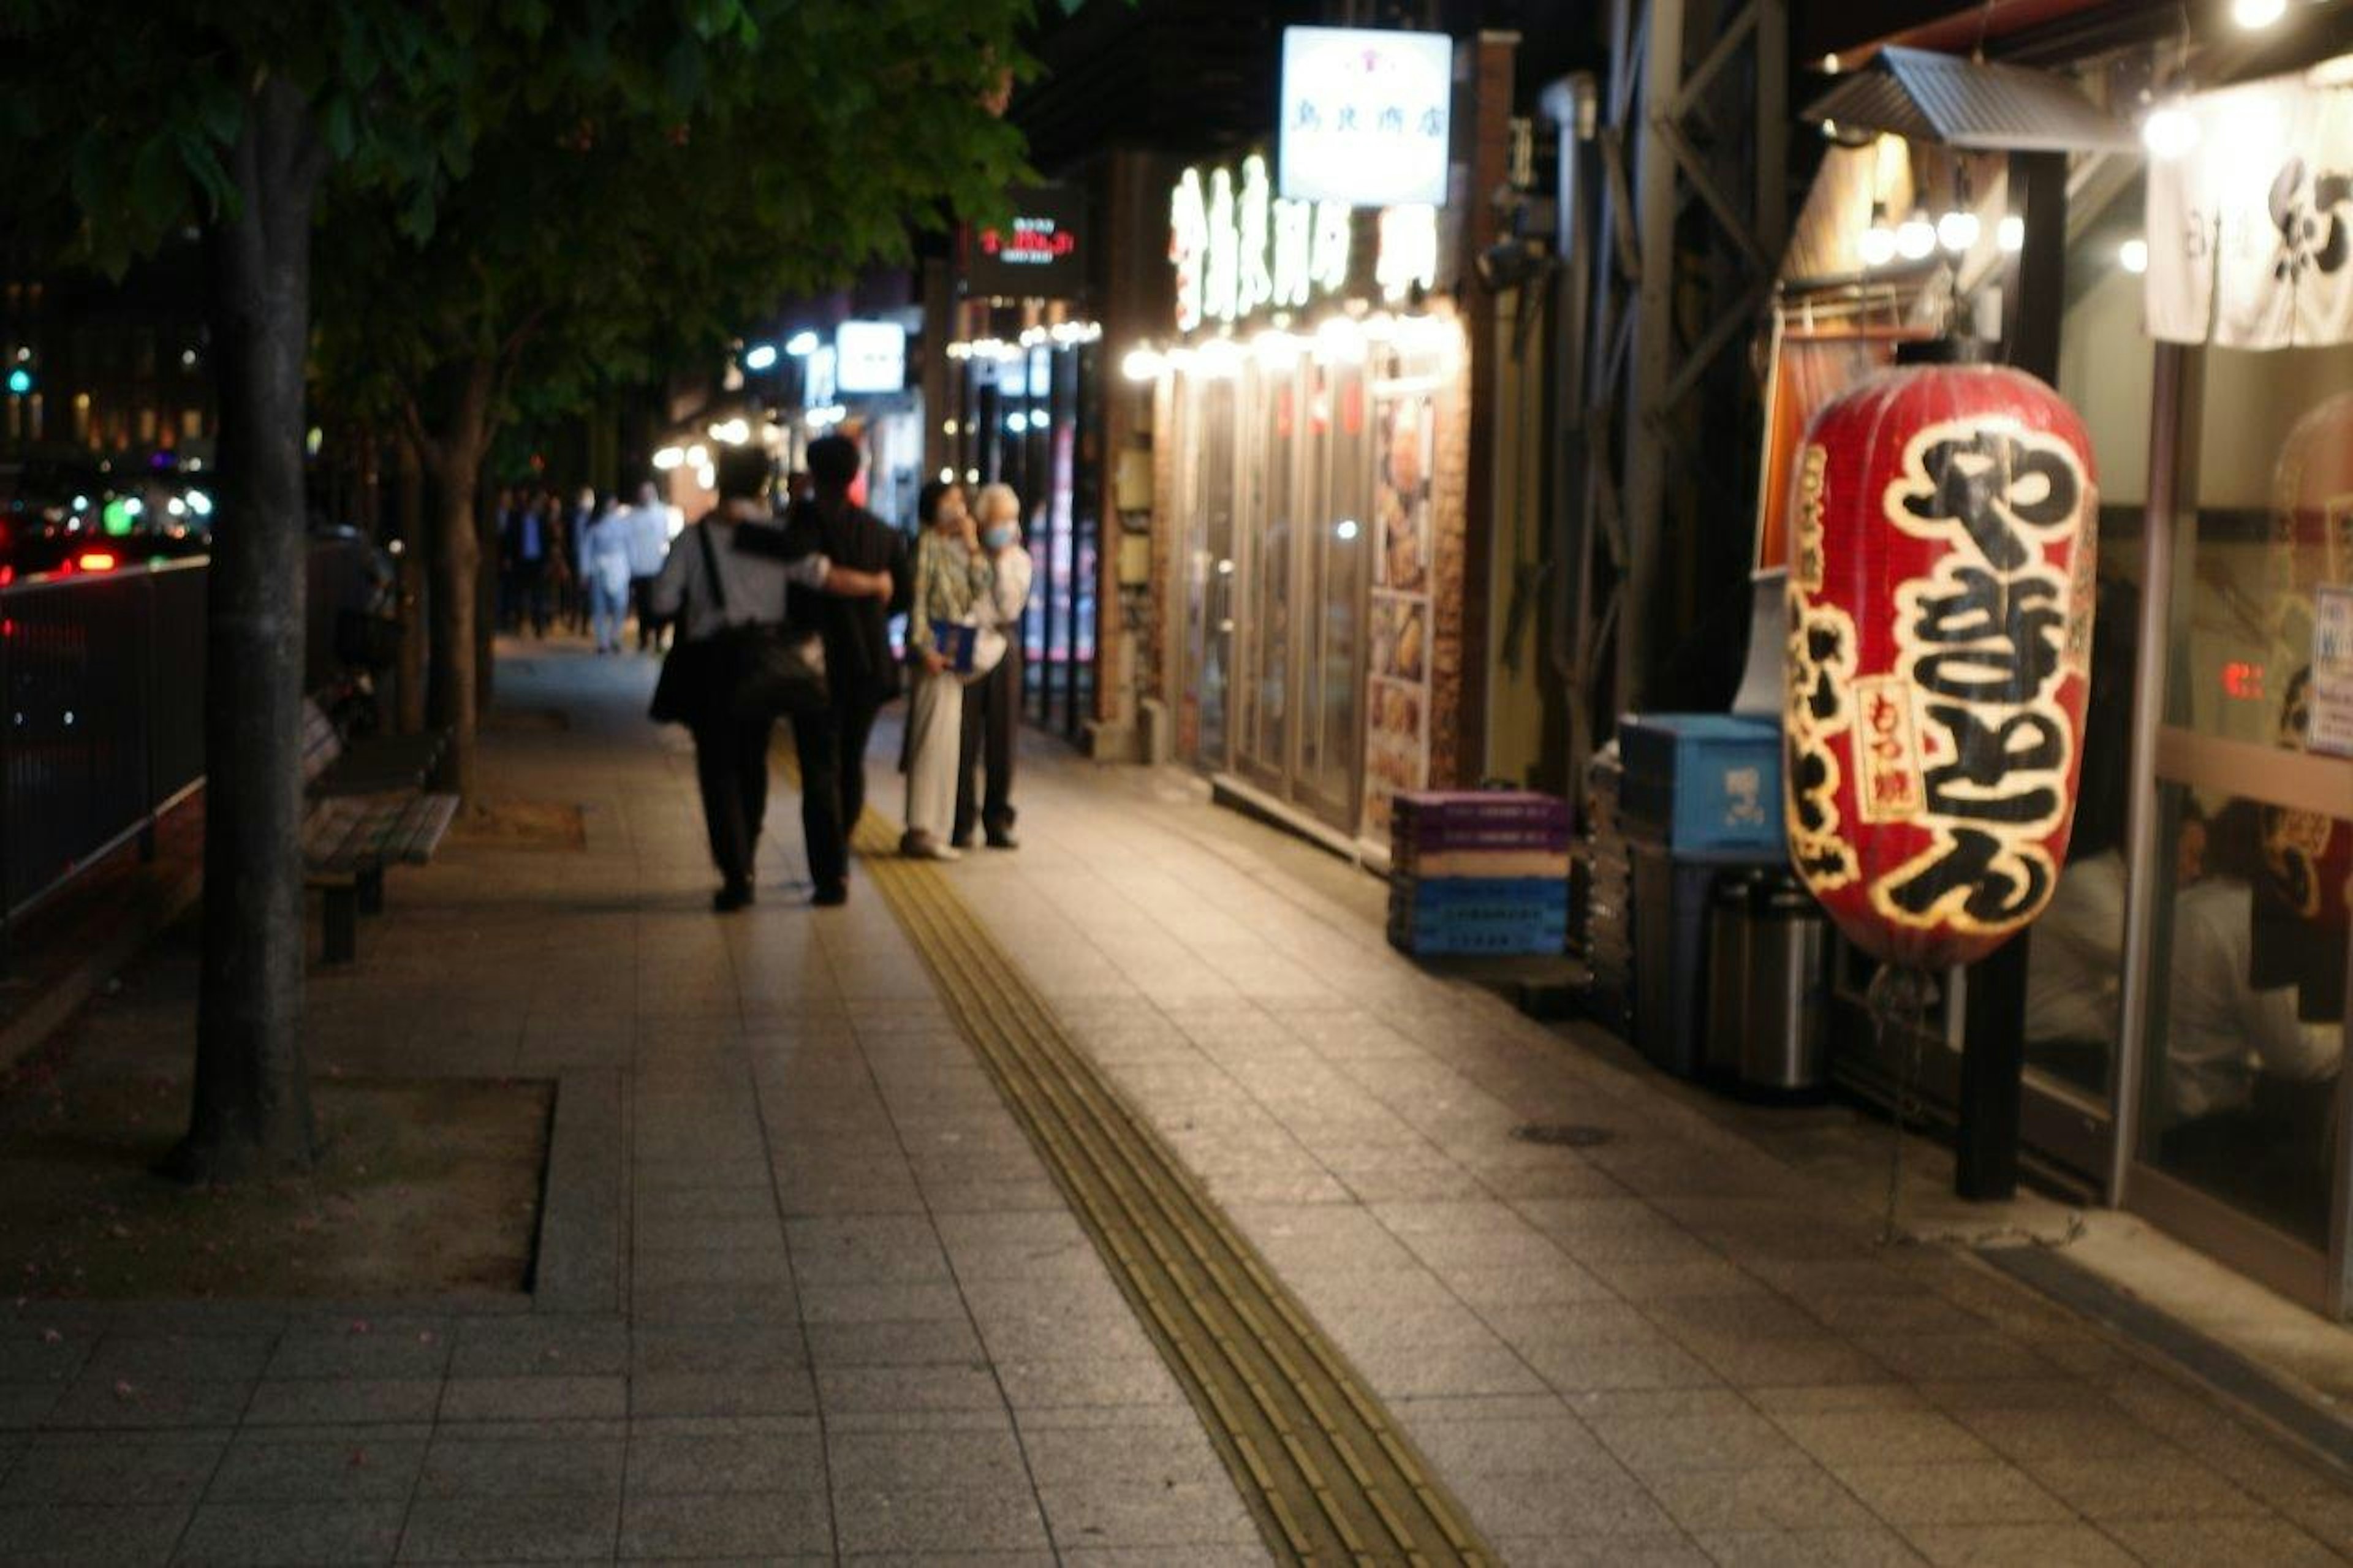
<point>1323,1467</point>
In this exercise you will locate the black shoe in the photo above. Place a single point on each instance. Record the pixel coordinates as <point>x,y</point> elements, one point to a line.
<point>731,898</point>
<point>830,895</point>
<point>960,841</point>
<point>1003,838</point>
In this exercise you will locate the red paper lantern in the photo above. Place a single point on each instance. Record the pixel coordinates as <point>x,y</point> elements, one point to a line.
<point>1943,533</point>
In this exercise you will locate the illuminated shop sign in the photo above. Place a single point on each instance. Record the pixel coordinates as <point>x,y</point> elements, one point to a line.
<point>1238,249</point>
<point>1364,116</point>
<point>870,357</point>
<point>1039,254</point>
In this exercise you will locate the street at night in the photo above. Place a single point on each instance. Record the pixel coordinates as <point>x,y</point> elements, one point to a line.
<point>1157,783</point>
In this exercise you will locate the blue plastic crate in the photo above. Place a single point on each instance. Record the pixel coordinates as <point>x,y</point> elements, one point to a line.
<point>1703,782</point>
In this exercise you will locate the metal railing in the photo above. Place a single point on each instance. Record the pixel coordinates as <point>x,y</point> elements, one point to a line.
<point>102,726</point>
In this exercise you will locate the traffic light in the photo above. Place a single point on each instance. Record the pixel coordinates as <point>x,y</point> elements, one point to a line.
<point>20,381</point>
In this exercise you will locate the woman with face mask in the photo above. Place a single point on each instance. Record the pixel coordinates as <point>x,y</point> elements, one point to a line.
<point>992,704</point>
<point>952,578</point>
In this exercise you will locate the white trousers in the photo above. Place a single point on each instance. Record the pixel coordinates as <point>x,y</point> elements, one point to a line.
<point>934,740</point>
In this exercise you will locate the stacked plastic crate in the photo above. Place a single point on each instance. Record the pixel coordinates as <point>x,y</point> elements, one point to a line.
<point>1483,871</point>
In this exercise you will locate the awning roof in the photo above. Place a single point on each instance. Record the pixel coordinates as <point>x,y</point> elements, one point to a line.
<point>1970,104</point>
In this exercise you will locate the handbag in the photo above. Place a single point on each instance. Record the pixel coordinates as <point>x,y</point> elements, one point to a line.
<point>739,672</point>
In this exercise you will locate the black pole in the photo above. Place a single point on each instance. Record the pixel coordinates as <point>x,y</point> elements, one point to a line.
<point>1993,1054</point>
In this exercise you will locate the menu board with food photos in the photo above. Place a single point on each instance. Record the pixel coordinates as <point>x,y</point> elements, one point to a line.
<point>1397,698</point>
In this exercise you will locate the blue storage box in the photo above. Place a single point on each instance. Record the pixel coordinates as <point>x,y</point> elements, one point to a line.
<point>1702,782</point>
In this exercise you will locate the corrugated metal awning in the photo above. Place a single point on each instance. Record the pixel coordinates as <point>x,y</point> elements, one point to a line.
<point>1928,97</point>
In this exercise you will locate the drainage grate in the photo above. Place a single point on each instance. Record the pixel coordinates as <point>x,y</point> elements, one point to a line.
<point>1563,1134</point>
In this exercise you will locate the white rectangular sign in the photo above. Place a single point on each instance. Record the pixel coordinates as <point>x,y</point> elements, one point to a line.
<point>1365,117</point>
<point>871,356</point>
<point>2250,223</point>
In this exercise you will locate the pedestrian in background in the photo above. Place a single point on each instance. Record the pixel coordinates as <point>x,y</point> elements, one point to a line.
<point>533,545</point>
<point>992,703</point>
<point>731,748</point>
<point>604,572</point>
<point>647,528</point>
<point>861,675</point>
<point>951,576</point>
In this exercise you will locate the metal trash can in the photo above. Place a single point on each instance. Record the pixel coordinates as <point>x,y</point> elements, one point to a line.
<point>1783,1037</point>
<point>1728,921</point>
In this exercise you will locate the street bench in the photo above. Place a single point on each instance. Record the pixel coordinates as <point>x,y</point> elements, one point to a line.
<point>369,809</point>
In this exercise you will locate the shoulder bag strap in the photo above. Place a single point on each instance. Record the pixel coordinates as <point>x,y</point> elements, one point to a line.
<point>710,568</point>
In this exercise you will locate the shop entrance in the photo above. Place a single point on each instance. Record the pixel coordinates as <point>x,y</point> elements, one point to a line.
<point>2238,1142</point>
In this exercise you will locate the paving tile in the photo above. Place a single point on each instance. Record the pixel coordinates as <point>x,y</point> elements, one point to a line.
<point>779,1392</point>
<point>367,1466</point>
<point>1510,1446</point>
<point>381,1353</point>
<point>538,1346</point>
<point>101,1535</point>
<point>912,1343</point>
<point>1808,1549</point>
<point>851,1389</point>
<point>1650,1445</point>
<point>2196,1543</point>
<point>1583,1503</point>
<point>1649,1550</point>
<point>1775,1497</point>
<point>1577,1368</point>
<point>685,1461</point>
<point>716,1348</point>
<point>179,1358</point>
<point>97,1404</point>
<point>154,1469</point>
<point>496,1530</point>
<point>890,1463</point>
<point>280,1401</point>
<point>854,1303</point>
<point>293,1533</point>
<point>1124,1382</point>
<point>2150,1486</point>
<point>913,1522</point>
<point>460,1465</point>
<point>756,1526</point>
<point>2019,1546</point>
<point>1144,1513</point>
<point>1883,1437</point>
<point>1951,1492</point>
<point>554,1397</point>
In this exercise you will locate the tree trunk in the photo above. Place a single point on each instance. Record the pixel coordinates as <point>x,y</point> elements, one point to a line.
<point>252,1103</point>
<point>456,454</point>
<point>414,552</point>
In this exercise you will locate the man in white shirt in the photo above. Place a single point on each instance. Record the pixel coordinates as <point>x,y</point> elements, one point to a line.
<point>709,583</point>
<point>646,526</point>
<point>992,704</point>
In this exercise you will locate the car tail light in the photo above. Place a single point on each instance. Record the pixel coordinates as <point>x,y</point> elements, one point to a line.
<point>96,561</point>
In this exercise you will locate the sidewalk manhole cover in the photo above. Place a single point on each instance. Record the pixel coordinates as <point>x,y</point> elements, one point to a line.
<point>1563,1134</point>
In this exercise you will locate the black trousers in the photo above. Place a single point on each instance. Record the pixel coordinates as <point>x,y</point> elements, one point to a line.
<point>832,746</point>
<point>649,630</point>
<point>992,727</point>
<point>731,764</point>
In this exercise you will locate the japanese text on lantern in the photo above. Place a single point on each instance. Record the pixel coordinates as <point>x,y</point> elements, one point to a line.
<point>1982,640</point>
<point>1820,708</point>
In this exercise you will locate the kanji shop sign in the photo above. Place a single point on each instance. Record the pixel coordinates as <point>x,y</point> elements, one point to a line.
<point>1039,254</point>
<point>1940,632</point>
<point>2251,229</point>
<point>1237,249</point>
<point>1365,116</point>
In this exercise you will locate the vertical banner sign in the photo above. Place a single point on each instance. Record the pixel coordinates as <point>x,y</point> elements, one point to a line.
<point>1397,694</point>
<point>1941,552</point>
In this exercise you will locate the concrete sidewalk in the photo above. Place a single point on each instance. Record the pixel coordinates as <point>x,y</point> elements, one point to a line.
<point>806,1292</point>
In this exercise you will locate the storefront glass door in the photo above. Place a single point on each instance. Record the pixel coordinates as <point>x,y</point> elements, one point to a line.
<point>1339,494</point>
<point>2241,1143</point>
<point>1263,702</point>
<point>1208,571</point>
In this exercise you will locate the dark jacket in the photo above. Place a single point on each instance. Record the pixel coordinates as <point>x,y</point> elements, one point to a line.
<point>857,631</point>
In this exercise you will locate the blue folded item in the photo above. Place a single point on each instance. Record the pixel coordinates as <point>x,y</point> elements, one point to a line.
<point>955,642</point>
